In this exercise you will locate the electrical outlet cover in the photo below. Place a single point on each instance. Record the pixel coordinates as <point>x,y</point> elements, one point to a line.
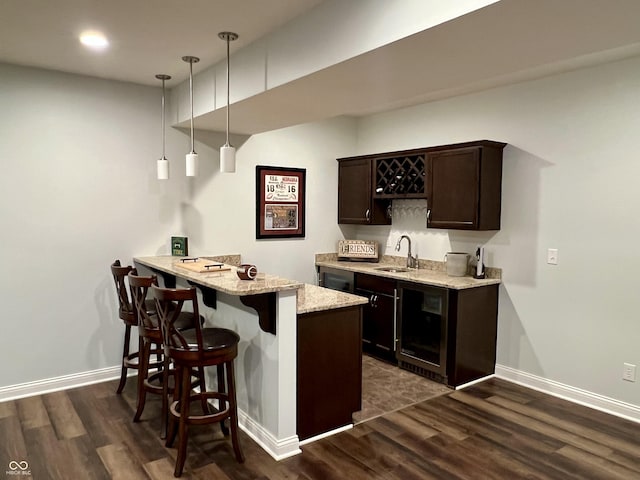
<point>629,372</point>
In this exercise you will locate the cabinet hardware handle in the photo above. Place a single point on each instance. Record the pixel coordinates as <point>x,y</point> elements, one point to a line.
<point>395,317</point>
<point>428,216</point>
<point>367,214</point>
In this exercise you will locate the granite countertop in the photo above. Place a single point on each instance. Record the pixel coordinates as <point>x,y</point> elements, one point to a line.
<point>312,298</point>
<point>429,273</point>
<point>225,281</point>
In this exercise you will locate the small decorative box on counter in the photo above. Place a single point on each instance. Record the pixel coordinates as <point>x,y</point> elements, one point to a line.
<point>358,250</point>
<point>179,246</point>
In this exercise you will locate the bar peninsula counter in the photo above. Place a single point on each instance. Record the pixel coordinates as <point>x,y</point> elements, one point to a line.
<point>298,342</point>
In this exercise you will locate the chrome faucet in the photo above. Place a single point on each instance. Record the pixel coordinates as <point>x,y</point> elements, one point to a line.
<point>412,262</point>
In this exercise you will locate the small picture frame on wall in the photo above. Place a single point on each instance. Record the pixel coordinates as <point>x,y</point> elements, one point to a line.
<point>280,202</point>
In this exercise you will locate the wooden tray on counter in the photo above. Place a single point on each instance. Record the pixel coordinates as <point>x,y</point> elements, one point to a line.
<point>201,265</point>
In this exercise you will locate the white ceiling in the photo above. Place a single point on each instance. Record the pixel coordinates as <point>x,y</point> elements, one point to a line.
<point>509,41</point>
<point>147,36</point>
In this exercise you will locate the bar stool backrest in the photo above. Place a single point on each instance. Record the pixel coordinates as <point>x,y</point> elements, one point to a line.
<point>169,304</point>
<point>125,308</point>
<point>148,323</point>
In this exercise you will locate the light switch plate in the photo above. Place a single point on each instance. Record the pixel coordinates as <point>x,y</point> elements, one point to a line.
<point>552,256</point>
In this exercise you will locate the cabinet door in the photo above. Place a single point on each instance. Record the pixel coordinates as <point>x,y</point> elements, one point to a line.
<point>379,315</point>
<point>378,325</point>
<point>384,338</point>
<point>368,327</point>
<point>354,191</point>
<point>454,180</point>
<point>465,186</point>
<point>355,201</point>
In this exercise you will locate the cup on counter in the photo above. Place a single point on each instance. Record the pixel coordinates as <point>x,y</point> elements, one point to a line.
<point>247,271</point>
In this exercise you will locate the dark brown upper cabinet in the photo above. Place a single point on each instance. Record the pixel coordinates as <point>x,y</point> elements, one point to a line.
<point>461,182</point>
<point>355,202</point>
<point>464,186</point>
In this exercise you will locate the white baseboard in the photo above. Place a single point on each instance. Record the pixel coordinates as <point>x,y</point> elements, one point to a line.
<point>326,434</point>
<point>55,384</point>
<point>281,449</point>
<point>572,394</point>
<point>473,382</point>
<point>278,449</point>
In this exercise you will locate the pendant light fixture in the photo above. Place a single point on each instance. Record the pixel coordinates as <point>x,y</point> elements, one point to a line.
<point>227,152</point>
<point>192,158</point>
<point>163,163</point>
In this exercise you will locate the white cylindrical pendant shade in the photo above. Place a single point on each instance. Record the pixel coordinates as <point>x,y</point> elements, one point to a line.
<point>163,169</point>
<point>192,164</point>
<point>227,159</point>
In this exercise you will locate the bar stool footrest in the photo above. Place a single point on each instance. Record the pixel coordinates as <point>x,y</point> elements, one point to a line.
<point>215,417</point>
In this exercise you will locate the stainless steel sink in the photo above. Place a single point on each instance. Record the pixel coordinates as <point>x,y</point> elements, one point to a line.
<point>392,269</point>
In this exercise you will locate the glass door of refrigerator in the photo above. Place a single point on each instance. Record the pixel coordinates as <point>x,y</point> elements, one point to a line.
<point>423,327</point>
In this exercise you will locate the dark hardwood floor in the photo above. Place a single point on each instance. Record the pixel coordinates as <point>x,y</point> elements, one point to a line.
<point>492,430</point>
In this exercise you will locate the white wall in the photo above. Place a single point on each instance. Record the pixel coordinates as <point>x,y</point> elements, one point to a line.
<point>569,182</point>
<point>78,190</point>
<point>221,212</point>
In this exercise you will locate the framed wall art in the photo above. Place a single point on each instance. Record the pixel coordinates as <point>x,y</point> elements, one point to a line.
<point>280,194</point>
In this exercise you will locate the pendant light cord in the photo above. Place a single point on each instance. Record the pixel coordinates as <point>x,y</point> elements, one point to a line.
<point>191,61</point>
<point>191,96</point>
<point>163,142</point>
<point>228,37</point>
<point>227,144</point>
<point>164,77</point>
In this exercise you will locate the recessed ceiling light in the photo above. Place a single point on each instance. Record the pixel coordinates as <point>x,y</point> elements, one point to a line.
<point>94,40</point>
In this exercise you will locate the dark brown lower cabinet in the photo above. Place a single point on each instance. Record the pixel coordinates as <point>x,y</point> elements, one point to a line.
<point>473,326</point>
<point>329,377</point>
<point>378,316</point>
<point>448,335</point>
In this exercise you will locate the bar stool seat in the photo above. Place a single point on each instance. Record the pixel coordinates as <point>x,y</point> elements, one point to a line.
<point>192,350</point>
<point>212,339</point>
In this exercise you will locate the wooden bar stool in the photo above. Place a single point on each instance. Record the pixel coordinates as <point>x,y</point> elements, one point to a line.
<point>195,349</point>
<point>151,342</point>
<point>127,315</point>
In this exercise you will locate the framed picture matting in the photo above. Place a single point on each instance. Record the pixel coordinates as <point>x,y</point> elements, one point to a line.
<point>280,202</point>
